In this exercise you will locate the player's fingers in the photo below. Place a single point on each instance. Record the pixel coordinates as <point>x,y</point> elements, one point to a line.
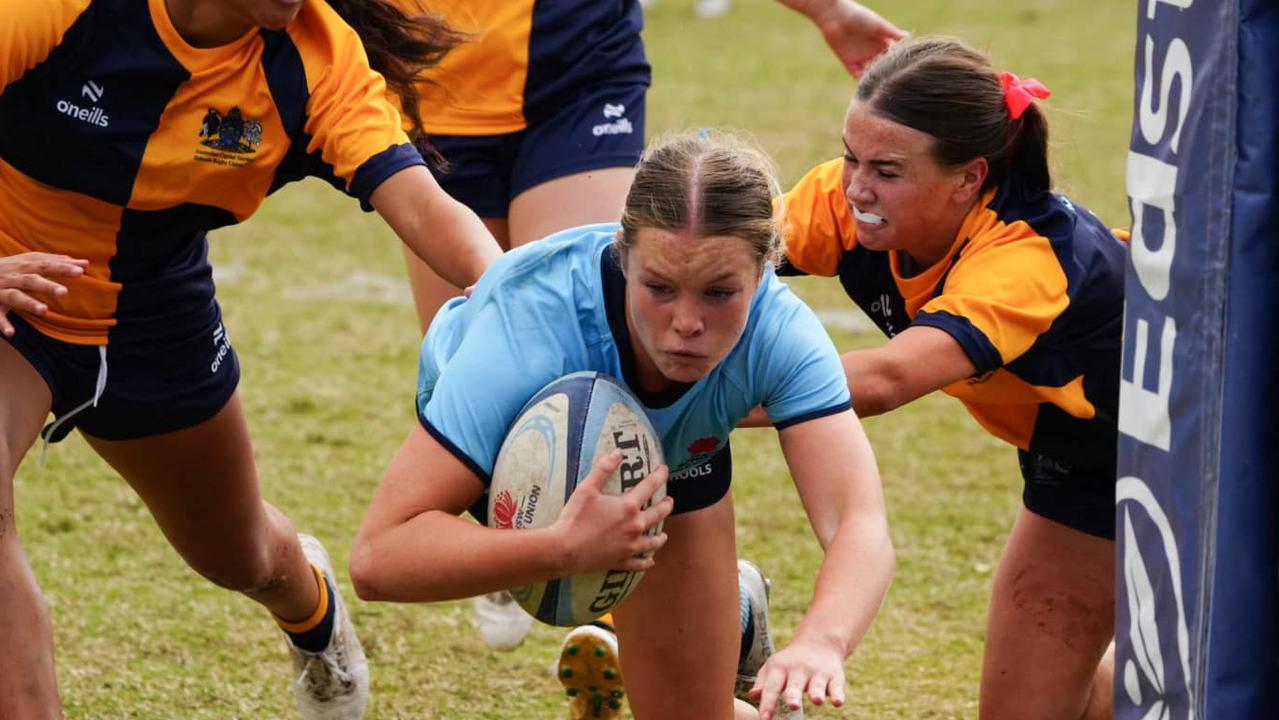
<point>769,686</point>
<point>817,686</point>
<point>604,468</point>
<point>33,283</point>
<point>12,298</point>
<point>5,327</point>
<point>47,264</point>
<point>792,696</point>
<point>836,691</point>
<point>650,544</point>
<point>657,512</point>
<point>61,266</point>
<point>643,492</point>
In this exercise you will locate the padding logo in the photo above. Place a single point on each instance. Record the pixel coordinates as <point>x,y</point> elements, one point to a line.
<point>1156,678</point>
<point>231,139</point>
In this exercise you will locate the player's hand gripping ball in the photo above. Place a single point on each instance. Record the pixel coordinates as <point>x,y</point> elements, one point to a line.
<point>554,442</point>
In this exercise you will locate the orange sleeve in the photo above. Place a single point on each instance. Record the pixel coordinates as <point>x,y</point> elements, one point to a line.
<point>30,30</point>
<point>350,118</point>
<point>816,223</point>
<point>1008,286</point>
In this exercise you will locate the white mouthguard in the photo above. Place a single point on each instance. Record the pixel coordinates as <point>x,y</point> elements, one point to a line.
<point>868,218</point>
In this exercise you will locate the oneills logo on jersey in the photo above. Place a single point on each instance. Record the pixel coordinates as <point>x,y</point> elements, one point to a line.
<point>91,115</point>
<point>228,139</point>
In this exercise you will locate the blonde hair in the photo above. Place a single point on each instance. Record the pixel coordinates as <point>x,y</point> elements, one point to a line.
<point>707,183</point>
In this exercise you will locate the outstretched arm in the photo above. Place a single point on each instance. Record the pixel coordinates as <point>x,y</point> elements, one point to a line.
<point>414,547</point>
<point>440,230</point>
<point>915,362</point>
<point>854,32</point>
<point>838,482</point>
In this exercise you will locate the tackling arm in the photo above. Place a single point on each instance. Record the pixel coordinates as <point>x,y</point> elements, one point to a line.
<point>914,363</point>
<point>443,232</point>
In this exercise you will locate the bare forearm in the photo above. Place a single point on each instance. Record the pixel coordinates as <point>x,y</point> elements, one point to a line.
<point>440,230</point>
<point>872,383</point>
<point>439,556</point>
<point>453,241</point>
<point>851,585</point>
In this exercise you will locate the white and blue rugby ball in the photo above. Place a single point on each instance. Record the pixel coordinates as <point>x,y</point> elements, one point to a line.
<point>551,447</point>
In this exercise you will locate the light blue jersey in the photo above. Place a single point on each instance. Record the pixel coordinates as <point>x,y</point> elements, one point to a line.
<point>556,306</point>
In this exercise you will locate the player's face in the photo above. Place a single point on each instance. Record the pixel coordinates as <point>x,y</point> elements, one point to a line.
<point>900,196</point>
<point>210,23</point>
<point>270,14</point>
<point>687,301</point>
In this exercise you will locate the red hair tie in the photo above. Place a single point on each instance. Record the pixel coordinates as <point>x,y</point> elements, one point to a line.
<point>1019,94</point>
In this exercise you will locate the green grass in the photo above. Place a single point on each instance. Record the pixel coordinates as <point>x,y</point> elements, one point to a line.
<point>317,309</point>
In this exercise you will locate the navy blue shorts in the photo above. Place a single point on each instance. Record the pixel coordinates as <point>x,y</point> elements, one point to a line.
<point>1080,499</point>
<point>703,484</point>
<point>151,388</point>
<point>602,127</point>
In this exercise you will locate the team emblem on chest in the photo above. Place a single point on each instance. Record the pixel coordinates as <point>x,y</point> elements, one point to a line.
<point>229,139</point>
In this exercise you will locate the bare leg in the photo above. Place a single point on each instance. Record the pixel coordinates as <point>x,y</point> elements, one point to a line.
<point>593,196</point>
<point>430,291</point>
<point>28,683</point>
<point>679,632</point>
<point>1050,622</point>
<point>202,488</point>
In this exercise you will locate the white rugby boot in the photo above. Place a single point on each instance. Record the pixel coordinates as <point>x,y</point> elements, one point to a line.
<point>332,684</point>
<point>589,670</point>
<point>754,590</point>
<point>502,622</point>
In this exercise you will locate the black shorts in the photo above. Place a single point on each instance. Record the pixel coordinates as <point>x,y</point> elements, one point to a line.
<point>151,388</point>
<point>703,484</point>
<point>601,127</point>
<point>1080,499</point>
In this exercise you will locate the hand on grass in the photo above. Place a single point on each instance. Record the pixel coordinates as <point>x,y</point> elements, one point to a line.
<point>802,667</point>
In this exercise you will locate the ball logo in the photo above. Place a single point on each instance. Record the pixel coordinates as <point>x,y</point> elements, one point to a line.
<point>615,582</point>
<point>504,511</point>
<point>1157,677</point>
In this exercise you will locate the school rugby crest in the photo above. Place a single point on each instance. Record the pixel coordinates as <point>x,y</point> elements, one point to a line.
<point>229,139</point>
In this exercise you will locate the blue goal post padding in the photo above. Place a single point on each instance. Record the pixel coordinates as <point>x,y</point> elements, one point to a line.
<point>1197,592</point>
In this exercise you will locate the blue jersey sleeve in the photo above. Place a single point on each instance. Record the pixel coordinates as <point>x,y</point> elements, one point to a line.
<point>470,391</point>
<point>799,365</point>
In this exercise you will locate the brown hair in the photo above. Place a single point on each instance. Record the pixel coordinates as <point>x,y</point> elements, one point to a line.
<point>942,87</point>
<point>401,46</point>
<point>707,183</point>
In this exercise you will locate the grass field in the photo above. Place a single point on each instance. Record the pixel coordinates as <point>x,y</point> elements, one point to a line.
<point>318,309</point>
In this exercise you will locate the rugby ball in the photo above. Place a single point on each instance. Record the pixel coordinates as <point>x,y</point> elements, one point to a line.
<point>550,448</point>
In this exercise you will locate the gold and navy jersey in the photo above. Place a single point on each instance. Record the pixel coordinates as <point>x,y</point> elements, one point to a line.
<point>122,144</point>
<point>1031,289</point>
<point>524,57</point>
